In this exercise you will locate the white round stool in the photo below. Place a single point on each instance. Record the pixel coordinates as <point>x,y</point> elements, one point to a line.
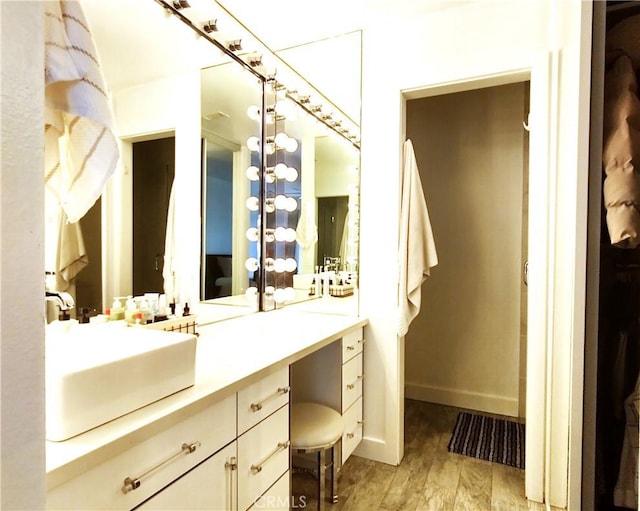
<point>317,428</point>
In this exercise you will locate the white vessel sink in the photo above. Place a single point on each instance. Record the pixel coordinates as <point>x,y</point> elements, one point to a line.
<point>97,373</point>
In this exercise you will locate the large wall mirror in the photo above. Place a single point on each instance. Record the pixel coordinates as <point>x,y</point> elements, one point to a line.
<point>181,108</point>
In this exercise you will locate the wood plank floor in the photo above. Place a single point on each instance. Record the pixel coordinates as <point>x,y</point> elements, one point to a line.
<point>428,478</point>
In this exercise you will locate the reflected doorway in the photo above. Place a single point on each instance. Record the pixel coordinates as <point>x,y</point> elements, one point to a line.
<point>332,215</point>
<point>153,173</point>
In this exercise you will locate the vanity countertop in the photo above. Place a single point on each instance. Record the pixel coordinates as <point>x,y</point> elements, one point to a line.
<point>230,355</point>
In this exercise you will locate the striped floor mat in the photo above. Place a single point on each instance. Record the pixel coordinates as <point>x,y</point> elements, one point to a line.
<point>496,440</point>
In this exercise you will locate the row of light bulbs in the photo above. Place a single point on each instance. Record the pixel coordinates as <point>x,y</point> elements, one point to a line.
<point>263,61</point>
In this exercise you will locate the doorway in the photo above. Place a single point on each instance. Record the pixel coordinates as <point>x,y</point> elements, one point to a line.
<point>153,172</point>
<point>468,346</point>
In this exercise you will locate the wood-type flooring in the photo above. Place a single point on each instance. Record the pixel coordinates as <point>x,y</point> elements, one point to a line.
<point>429,478</point>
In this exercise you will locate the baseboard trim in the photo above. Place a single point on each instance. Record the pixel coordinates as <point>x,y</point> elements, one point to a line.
<point>462,399</point>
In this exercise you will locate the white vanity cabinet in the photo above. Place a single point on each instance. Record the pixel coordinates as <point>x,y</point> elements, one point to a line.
<point>149,460</point>
<point>352,382</point>
<point>334,376</point>
<point>210,485</point>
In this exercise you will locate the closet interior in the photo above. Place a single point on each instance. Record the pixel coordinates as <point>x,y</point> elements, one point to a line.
<point>612,348</point>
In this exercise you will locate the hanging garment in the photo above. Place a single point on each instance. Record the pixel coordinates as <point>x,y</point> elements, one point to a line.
<point>77,111</point>
<point>416,250</point>
<point>620,154</point>
<point>626,491</point>
<point>307,230</point>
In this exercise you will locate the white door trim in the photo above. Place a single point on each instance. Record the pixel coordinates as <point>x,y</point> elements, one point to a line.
<point>540,230</point>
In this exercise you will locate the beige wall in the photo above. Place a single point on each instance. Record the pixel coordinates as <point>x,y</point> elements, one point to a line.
<point>464,347</point>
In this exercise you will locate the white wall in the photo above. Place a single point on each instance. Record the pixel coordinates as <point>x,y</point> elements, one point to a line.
<point>459,44</point>
<point>465,43</point>
<point>470,151</point>
<point>22,472</point>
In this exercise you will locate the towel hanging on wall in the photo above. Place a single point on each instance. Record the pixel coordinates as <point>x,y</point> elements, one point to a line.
<point>77,112</point>
<point>417,249</point>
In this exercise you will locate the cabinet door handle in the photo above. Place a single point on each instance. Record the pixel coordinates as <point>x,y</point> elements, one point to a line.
<point>279,392</point>
<point>351,434</point>
<point>133,483</point>
<point>255,469</point>
<point>352,386</point>
<point>232,465</point>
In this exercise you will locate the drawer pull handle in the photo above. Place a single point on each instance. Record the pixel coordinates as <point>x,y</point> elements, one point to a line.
<point>352,386</point>
<point>133,483</point>
<point>353,433</point>
<point>279,392</point>
<point>352,347</point>
<point>256,469</point>
<point>232,465</point>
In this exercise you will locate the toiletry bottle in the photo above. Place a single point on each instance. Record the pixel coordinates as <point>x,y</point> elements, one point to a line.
<point>117,310</point>
<point>312,289</point>
<point>185,310</point>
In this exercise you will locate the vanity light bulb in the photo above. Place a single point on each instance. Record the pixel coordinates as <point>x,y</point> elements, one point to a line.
<point>269,290</point>
<point>291,205</point>
<point>292,174</point>
<point>269,206</point>
<point>270,148</point>
<point>280,202</point>
<point>251,293</point>
<point>280,170</point>
<point>290,235</point>
<point>252,234</point>
<point>279,295</point>
<point>269,264</point>
<point>269,235</point>
<point>253,204</point>
<point>251,264</point>
<point>291,146</point>
<point>253,112</point>
<point>290,264</point>
<point>289,294</point>
<point>279,265</point>
<point>281,140</point>
<point>253,143</point>
<point>253,173</point>
<point>269,175</point>
<point>280,234</point>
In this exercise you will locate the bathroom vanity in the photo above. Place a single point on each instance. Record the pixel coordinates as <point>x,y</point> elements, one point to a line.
<point>224,442</point>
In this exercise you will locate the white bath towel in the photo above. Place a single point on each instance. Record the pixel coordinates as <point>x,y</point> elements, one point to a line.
<point>77,110</point>
<point>307,230</point>
<point>417,249</point>
<point>71,255</point>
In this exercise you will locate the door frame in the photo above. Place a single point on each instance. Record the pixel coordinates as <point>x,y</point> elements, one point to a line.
<point>540,249</point>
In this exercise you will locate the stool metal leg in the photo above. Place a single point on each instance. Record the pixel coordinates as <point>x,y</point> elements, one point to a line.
<point>334,476</point>
<point>321,479</point>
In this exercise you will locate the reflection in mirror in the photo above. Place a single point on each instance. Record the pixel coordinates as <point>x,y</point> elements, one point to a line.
<point>228,92</point>
<point>160,86</point>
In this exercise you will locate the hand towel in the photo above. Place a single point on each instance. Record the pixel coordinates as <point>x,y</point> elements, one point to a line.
<point>416,250</point>
<point>170,271</point>
<point>77,112</point>
<point>71,253</point>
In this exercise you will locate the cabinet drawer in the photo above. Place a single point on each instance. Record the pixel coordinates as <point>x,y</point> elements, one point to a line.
<point>351,381</point>
<point>278,497</point>
<point>352,344</point>
<point>353,427</point>
<point>261,399</point>
<point>155,462</point>
<point>211,485</point>
<point>263,456</point>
